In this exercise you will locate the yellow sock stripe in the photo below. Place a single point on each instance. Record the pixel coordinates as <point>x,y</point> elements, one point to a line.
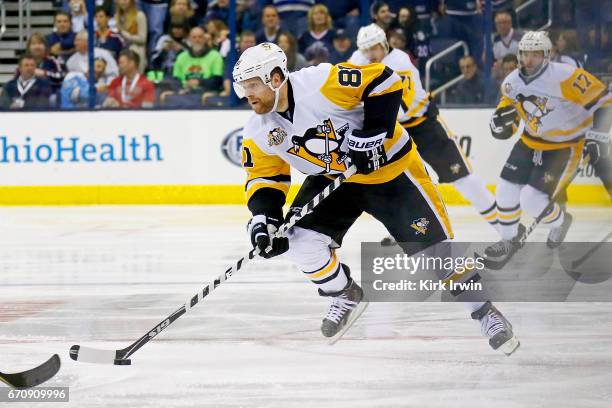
<point>554,213</point>
<point>331,267</point>
<point>491,217</point>
<point>511,216</point>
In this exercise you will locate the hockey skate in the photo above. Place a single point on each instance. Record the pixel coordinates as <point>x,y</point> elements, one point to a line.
<point>497,328</point>
<point>557,235</point>
<point>346,306</point>
<point>498,254</point>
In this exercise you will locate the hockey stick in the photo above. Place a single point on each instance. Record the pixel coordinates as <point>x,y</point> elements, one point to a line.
<point>120,357</point>
<point>584,257</point>
<point>33,377</point>
<point>517,242</point>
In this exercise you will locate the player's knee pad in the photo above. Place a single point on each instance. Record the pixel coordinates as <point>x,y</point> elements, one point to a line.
<point>308,249</point>
<point>533,201</point>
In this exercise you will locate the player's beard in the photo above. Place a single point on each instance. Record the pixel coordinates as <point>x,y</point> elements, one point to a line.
<point>263,106</point>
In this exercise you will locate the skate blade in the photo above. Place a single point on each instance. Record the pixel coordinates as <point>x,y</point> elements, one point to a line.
<point>510,346</point>
<point>361,307</point>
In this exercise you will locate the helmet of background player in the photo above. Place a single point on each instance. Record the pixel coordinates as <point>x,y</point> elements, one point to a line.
<point>372,35</point>
<point>259,62</point>
<point>534,41</point>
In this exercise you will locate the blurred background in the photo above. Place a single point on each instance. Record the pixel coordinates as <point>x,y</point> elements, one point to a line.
<point>181,52</point>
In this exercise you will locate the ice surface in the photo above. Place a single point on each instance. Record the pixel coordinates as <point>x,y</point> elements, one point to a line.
<point>104,276</point>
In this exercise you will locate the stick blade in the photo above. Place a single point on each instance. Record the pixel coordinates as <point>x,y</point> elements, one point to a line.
<point>92,355</point>
<point>35,376</point>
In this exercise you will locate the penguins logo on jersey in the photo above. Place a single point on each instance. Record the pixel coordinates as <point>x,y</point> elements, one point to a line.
<point>420,225</point>
<point>534,109</point>
<point>320,145</point>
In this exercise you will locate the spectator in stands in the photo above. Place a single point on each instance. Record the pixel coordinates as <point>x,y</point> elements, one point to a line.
<point>319,29</point>
<point>506,38</point>
<point>397,39</point>
<point>155,12</point>
<point>202,59</point>
<point>509,64</point>
<point>597,58</point>
<point>75,89</point>
<point>131,89</point>
<point>381,14</point>
<point>169,46</point>
<point>78,13</point>
<point>423,11</point>
<point>47,66</point>
<point>182,10</point>
<point>61,40</point>
<point>288,43</point>
<point>270,25</point>
<point>105,37</point>
<point>220,11</point>
<point>293,13</point>
<point>417,34</point>
<point>343,47</point>
<point>471,89</point>
<point>463,20</point>
<point>316,54</point>
<point>219,35</point>
<point>132,25</point>
<point>565,48</point>
<point>26,90</point>
<point>79,61</point>
<point>345,14</point>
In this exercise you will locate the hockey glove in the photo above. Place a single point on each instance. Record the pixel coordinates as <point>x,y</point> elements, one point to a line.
<point>502,122</point>
<point>366,149</point>
<point>597,146</point>
<point>261,228</point>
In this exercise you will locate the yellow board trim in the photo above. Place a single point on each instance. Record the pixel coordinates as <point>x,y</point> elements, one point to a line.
<point>211,194</point>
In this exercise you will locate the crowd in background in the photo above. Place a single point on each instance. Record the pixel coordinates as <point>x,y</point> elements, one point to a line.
<point>176,53</point>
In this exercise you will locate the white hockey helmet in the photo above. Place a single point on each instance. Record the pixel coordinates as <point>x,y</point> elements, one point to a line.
<point>259,62</point>
<point>370,35</point>
<point>535,41</point>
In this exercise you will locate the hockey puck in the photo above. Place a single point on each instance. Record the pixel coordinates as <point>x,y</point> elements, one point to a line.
<point>119,361</point>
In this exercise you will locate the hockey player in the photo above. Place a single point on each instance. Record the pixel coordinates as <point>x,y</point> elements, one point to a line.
<point>419,115</point>
<point>320,120</point>
<point>562,107</point>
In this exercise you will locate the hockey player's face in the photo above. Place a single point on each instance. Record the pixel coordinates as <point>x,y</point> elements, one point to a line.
<point>259,95</point>
<point>531,61</point>
<point>375,53</point>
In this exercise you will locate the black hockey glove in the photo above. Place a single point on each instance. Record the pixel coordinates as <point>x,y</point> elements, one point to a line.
<point>502,122</point>
<point>261,228</point>
<point>597,146</point>
<point>366,149</point>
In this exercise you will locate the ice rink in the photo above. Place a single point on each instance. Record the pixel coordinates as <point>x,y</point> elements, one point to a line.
<point>104,276</point>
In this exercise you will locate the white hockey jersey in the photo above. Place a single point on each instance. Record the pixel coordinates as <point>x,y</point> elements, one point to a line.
<point>415,100</point>
<point>556,106</point>
<point>327,104</point>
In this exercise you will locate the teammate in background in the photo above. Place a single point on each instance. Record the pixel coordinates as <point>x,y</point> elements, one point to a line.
<point>419,115</point>
<point>563,108</point>
<point>320,120</point>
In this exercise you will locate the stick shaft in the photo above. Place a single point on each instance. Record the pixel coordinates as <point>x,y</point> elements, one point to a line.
<point>195,299</point>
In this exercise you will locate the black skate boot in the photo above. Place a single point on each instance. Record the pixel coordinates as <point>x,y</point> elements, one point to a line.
<point>557,235</point>
<point>346,306</point>
<point>500,252</point>
<point>497,328</point>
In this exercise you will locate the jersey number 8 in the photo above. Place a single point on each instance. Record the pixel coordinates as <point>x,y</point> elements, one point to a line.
<point>349,77</point>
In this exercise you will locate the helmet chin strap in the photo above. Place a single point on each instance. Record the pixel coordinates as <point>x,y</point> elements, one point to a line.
<point>540,69</point>
<point>277,94</point>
